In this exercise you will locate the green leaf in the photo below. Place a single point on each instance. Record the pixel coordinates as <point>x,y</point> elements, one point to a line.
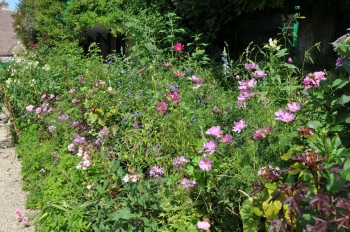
<point>121,214</point>
<point>93,117</point>
<point>344,99</point>
<point>282,52</point>
<point>314,124</point>
<point>339,81</point>
<point>291,151</point>
<point>271,208</point>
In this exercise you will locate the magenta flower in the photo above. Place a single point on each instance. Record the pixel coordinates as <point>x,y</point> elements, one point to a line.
<point>290,60</point>
<point>239,126</point>
<point>178,47</point>
<point>161,107</point>
<point>188,183</point>
<point>251,66</point>
<point>214,131</point>
<point>293,107</point>
<point>209,146</point>
<point>203,225</point>
<point>179,74</point>
<point>24,220</point>
<point>226,139</point>
<point>30,108</point>
<point>205,164</point>
<point>173,96</point>
<point>81,79</point>
<point>247,84</point>
<point>259,73</point>
<point>18,212</point>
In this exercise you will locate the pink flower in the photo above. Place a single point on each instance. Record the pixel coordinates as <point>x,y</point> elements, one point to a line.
<point>258,73</point>
<point>209,146</point>
<point>110,89</point>
<point>161,107</point>
<point>101,82</point>
<point>141,70</point>
<point>284,116</point>
<point>313,79</point>
<point>239,126</point>
<point>245,94</point>
<point>81,79</point>
<point>196,80</point>
<point>215,131</point>
<point>205,164</point>
<point>179,74</point>
<point>72,91</point>
<point>43,96</point>
<point>38,110</point>
<point>136,125</point>
<point>71,147</point>
<point>24,220</point>
<point>89,186</point>
<point>290,60</point>
<point>247,84</point>
<point>173,96</point>
<point>17,212</point>
<point>226,139</point>
<point>30,108</point>
<point>261,133</point>
<point>178,47</point>
<point>156,171</point>
<point>167,64</point>
<point>203,225</point>
<point>293,107</point>
<point>52,96</point>
<point>251,66</point>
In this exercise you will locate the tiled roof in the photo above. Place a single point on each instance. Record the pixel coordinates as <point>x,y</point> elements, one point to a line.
<point>7,40</point>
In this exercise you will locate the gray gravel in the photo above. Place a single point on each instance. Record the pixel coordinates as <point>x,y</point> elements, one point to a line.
<point>12,196</point>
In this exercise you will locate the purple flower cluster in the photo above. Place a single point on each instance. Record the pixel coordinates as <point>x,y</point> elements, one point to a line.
<point>156,171</point>
<point>188,183</point>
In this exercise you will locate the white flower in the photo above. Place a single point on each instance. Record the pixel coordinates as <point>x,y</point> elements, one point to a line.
<point>126,178</point>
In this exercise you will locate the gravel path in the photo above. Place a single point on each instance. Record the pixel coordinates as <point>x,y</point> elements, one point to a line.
<point>12,196</point>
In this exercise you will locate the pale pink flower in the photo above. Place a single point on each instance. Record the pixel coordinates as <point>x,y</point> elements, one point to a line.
<point>202,225</point>
<point>178,47</point>
<point>251,66</point>
<point>261,133</point>
<point>110,89</point>
<point>209,146</point>
<point>196,80</point>
<point>247,84</point>
<point>52,96</point>
<point>43,96</point>
<point>178,74</point>
<point>245,94</point>
<point>188,183</point>
<point>89,186</point>
<point>226,139</point>
<point>38,110</point>
<point>71,147</point>
<point>205,164</point>
<point>72,91</point>
<point>293,107</point>
<point>290,60</point>
<point>167,64</point>
<point>259,73</point>
<point>214,131</point>
<point>17,212</point>
<point>239,126</point>
<point>284,116</point>
<point>24,220</point>
<point>30,108</point>
<point>101,82</point>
